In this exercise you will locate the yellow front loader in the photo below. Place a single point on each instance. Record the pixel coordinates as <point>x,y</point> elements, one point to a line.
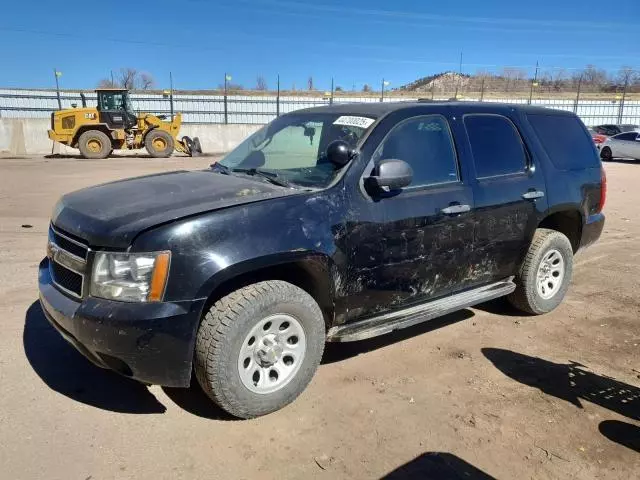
<point>97,131</point>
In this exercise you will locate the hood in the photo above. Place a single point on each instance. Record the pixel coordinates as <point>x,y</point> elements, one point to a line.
<point>111,215</point>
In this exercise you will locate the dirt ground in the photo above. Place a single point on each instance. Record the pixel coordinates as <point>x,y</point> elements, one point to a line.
<point>480,394</point>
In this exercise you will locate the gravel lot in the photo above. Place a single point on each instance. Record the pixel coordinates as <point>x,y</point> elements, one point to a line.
<point>480,392</point>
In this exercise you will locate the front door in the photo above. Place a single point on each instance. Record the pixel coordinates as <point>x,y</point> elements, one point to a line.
<point>411,246</point>
<point>509,193</point>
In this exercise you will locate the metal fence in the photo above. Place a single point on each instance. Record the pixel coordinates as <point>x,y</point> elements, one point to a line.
<point>260,109</point>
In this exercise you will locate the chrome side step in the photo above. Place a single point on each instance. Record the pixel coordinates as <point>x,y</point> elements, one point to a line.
<point>374,326</point>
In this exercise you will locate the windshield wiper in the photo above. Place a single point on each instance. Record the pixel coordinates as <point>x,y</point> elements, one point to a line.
<point>271,177</point>
<point>220,168</point>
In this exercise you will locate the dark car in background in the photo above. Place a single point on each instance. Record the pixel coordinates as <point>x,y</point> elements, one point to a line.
<point>331,224</point>
<point>612,129</point>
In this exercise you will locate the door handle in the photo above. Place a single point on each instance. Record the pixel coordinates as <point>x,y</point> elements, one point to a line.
<point>533,194</point>
<point>455,209</point>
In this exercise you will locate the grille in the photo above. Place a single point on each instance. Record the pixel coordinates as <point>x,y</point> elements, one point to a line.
<point>69,122</point>
<point>66,243</point>
<point>67,275</point>
<point>66,279</point>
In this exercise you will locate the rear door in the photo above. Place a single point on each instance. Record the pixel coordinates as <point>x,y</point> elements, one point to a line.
<point>509,194</point>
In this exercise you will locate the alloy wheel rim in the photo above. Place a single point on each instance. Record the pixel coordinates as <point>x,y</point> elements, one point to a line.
<point>550,274</point>
<point>271,353</point>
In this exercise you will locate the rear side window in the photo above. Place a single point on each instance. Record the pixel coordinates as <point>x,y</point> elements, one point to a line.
<point>626,136</point>
<point>496,145</point>
<point>565,140</point>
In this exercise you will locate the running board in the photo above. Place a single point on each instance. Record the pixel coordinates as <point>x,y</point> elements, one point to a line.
<point>372,327</point>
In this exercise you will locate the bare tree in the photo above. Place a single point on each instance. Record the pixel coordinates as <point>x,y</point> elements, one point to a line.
<point>366,87</point>
<point>130,79</point>
<point>107,83</point>
<point>594,77</point>
<point>558,77</point>
<point>626,76</point>
<point>146,82</point>
<point>310,83</point>
<point>127,78</point>
<point>338,88</point>
<point>261,83</point>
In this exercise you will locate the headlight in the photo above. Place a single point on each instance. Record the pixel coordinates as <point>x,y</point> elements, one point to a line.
<point>130,277</point>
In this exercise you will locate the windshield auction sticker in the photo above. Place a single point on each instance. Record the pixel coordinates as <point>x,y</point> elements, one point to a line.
<point>362,122</point>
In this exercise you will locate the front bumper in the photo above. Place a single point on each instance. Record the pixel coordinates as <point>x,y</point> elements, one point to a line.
<point>150,342</point>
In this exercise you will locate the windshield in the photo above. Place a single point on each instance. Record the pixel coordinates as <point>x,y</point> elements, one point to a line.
<point>294,147</point>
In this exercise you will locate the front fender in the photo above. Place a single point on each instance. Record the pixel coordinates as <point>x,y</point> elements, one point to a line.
<point>209,249</point>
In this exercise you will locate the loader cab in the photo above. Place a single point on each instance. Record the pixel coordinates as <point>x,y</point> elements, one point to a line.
<point>115,108</point>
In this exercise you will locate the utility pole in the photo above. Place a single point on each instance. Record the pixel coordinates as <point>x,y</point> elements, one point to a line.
<point>624,96</point>
<point>113,84</point>
<point>534,83</point>
<point>384,84</point>
<point>459,76</point>
<point>278,97</point>
<point>226,111</point>
<point>575,106</point>
<point>171,94</point>
<point>57,74</point>
<point>331,98</point>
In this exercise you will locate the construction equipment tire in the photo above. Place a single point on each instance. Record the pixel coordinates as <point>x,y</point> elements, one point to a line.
<point>94,144</point>
<point>159,144</point>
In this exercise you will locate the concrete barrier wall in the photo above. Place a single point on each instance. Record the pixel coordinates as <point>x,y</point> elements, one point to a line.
<point>28,136</point>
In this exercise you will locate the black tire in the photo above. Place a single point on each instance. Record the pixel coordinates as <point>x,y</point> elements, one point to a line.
<point>606,154</point>
<point>159,143</point>
<point>94,144</point>
<point>526,296</point>
<point>222,334</point>
<point>197,148</point>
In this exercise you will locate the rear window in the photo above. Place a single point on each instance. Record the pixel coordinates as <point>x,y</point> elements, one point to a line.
<point>565,140</point>
<point>495,144</point>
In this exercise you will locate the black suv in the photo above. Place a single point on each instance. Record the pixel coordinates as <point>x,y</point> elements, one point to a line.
<point>333,224</point>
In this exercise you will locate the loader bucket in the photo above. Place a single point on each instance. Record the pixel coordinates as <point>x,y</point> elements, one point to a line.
<point>192,146</point>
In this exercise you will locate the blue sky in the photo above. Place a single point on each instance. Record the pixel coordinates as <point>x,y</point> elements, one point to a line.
<point>355,41</point>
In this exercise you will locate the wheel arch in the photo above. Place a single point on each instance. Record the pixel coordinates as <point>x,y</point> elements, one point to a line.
<point>310,271</point>
<point>84,128</point>
<point>569,222</point>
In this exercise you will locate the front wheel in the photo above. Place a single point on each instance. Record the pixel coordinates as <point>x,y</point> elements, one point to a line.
<point>258,348</point>
<point>606,154</point>
<point>159,143</point>
<point>94,144</point>
<point>545,274</point>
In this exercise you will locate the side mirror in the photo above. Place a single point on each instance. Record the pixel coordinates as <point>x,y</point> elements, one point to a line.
<point>392,174</point>
<point>339,153</point>
<point>310,132</point>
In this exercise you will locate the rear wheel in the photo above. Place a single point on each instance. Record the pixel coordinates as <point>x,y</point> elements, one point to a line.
<point>159,143</point>
<point>258,348</point>
<point>545,274</point>
<point>94,144</point>
<point>606,154</point>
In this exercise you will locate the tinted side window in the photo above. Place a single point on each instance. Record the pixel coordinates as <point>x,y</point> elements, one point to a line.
<point>626,136</point>
<point>496,145</point>
<point>566,142</point>
<point>425,143</point>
